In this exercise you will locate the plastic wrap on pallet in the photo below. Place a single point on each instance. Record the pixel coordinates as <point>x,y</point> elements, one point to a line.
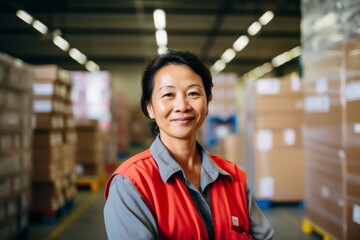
<point>327,23</point>
<point>331,116</point>
<point>331,143</point>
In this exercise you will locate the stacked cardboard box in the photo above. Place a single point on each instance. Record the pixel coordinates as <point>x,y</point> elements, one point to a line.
<point>16,79</point>
<point>331,63</point>
<point>54,139</point>
<point>273,139</point>
<point>222,118</point>
<point>332,139</point>
<point>90,150</point>
<point>231,148</point>
<point>120,121</point>
<point>224,102</point>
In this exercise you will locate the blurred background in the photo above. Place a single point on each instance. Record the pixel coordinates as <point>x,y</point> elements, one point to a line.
<point>286,106</point>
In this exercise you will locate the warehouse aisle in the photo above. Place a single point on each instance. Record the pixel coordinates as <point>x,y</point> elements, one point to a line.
<point>85,221</point>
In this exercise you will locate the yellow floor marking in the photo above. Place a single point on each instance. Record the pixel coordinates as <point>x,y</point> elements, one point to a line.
<point>72,217</point>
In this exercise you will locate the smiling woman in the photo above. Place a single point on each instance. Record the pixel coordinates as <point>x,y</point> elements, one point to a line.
<point>176,189</point>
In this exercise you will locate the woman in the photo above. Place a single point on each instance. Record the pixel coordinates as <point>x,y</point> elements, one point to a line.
<point>176,189</point>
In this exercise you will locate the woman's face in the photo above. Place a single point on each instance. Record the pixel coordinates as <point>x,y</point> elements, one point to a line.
<point>178,103</point>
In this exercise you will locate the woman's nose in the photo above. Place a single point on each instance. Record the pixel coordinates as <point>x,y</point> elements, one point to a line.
<point>182,104</point>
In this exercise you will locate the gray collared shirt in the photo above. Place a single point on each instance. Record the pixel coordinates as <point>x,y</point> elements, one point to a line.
<point>128,217</point>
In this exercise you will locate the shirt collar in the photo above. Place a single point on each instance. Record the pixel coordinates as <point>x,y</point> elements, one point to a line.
<point>168,166</point>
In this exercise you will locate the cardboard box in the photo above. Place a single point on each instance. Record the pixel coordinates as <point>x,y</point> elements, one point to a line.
<point>49,91</point>
<point>268,139</point>
<point>47,172</point>
<point>233,148</point>
<point>49,121</point>
<point>352,110</point>
<point>332,140</point>
<point>324,187</point>
<point>48,106</point>
<point>47,154</point>
<point>87,125</point>
<point>52,73</point>
<point>290,119</point>
<point>69,122</point>
<point>272,181</point>
<point>352,156</point>
<point>277,87</point>
<point>327,215</point>
<point>273,104</point>
<point>351,57</point>
<point>50,138</point>
<point>11,120</point>
<point>70,136</point>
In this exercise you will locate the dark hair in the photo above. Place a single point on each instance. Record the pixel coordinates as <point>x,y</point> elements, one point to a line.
<point>171,57</point>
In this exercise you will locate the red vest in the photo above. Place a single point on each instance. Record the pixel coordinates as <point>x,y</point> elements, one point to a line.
<point>172,206</point>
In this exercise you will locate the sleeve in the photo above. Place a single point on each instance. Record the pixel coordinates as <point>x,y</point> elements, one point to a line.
<point>126,214</point>
<point>260,227</point>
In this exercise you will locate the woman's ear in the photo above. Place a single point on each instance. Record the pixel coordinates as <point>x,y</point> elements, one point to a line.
<point>150,110</point>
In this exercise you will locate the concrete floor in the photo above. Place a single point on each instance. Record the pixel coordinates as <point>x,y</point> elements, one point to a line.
<point>85,221</point>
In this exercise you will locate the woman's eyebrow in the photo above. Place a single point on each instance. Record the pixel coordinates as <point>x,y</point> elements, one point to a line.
<point>166,86</point>
<point>194,85</point>
<point>188,87</point>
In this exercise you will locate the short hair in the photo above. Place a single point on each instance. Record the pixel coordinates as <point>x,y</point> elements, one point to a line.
<point>177,58</point>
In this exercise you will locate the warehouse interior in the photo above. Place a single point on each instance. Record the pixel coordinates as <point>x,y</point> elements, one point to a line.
<point>285,108</point>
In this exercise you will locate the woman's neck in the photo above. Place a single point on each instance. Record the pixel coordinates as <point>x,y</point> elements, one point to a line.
<point>186,154</point>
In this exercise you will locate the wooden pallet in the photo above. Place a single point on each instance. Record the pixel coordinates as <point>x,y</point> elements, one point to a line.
<point>93,183</point>
<point>309,227</point>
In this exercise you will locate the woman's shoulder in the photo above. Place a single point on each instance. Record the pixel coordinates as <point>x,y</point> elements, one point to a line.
<point>142,160</point>
<point>139,167</point>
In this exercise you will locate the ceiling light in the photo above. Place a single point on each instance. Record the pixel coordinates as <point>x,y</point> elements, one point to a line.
<point>240,43</point>
<point>18,62</point>
<point>266,68</point>
<point>61,43</point>
<point>254,28</point>
<point>24,16</point>
<point>161,37</point>
<point>77,56</point>
<point>42,28</point>
<point>295,52</point>
<point>266,17</point>
<point>159,19</point>
<point>258,72</point>
<point>286,56</point>
<point>228,55</point>
<point>91,66</point>
<point>219,65</point>
<point>162,49</point>
<point>278,60</point>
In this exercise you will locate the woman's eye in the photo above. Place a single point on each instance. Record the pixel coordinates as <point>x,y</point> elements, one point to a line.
<point>193,94</point>
<point>167,95</point>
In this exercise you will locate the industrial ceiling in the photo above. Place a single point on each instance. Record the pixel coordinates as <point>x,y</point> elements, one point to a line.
<point>122,33</point>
